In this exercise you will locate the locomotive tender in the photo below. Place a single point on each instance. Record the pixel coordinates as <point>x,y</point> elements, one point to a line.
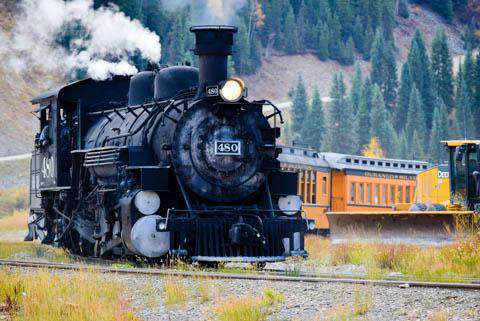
<point>172,162</point>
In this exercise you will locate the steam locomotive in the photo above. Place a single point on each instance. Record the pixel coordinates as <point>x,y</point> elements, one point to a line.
<point>170,162</point>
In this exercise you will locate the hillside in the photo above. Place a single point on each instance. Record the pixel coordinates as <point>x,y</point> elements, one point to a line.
<point>17,124</point>
<point>273,80</point>
<point>280,72</point>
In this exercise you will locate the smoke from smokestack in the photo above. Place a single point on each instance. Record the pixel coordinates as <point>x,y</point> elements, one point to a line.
<point>66,36</point>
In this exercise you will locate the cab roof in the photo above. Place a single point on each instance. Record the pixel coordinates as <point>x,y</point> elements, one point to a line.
<point>460,142</point>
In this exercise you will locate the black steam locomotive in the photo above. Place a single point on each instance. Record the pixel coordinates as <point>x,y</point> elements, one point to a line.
<point>171,162</point>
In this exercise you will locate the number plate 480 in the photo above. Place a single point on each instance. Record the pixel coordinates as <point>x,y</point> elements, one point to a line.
<point>231,147</point>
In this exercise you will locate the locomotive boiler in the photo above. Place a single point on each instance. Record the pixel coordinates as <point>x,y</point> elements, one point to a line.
<point>170,162</point>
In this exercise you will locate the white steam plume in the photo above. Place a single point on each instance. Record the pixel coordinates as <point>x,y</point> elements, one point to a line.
<point>101,41</point>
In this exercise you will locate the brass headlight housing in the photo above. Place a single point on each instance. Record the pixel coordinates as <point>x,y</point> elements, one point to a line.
<point>232,90</point>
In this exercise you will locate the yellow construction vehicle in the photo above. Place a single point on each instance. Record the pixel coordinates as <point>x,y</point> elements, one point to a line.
<point>432,191</point>
<point>447,199</point>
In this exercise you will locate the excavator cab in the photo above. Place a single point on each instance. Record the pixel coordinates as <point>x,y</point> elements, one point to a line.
<point>464,173</point>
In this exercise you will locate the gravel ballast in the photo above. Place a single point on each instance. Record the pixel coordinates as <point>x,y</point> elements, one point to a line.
<point>308,301</point>
<point>302,301</point>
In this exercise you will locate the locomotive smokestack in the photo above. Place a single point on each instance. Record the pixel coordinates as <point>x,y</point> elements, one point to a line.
<point>213,45</point>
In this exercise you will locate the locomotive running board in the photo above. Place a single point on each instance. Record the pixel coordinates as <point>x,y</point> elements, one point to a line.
<point>244,259</point>
<point>398,227</point>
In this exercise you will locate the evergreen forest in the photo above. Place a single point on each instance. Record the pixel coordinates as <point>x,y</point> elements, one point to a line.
<point>401,110</point>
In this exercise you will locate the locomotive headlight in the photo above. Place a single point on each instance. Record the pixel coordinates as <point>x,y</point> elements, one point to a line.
<point>290,204</point>
<point>147,202</point>
<point>232,90</point>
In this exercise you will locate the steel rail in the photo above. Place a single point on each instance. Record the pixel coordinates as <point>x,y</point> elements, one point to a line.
<point>238,276</point>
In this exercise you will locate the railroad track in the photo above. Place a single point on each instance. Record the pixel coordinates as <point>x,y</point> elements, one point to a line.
<point>239,276</point>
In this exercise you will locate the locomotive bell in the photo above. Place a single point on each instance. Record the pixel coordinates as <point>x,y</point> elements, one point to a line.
<point>213,45</point>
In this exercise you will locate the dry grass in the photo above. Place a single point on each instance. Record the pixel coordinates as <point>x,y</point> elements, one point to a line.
<point>17,221</point>
<point>151,294</point>
<point>35,250</point>
<point>438,316</point>
<point>13,200</point>
<point>454,262</point>
<point>319,251</point>
<point>175,292</point>
<point>362,301</point>
<point>204,289</point>
<point>361,305</point>
<point>50,297</point>
<point>248,308</point>
<point>340,313</point>
<point>14,173</point>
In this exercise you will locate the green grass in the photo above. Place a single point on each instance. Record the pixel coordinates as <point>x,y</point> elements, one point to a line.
<point>34,250</point>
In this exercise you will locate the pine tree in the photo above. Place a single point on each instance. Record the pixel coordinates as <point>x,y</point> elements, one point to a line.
<point>255,55</point>
<point>323,42</point>
<point>379,120</point>
<point>376,56</point>
<point>439,132</point>
<point>176,50</point>
<point>390,84</point>
<point>273,25</point>
<point>356,90</point>
<point>415,116</point>
<point>314,126</point>
<point>363,115</point>
<point>299,109</point>
<point>469,73</point>
<point>358,35</point>
<point>477,90</point>
<point>341,130</point>
<point>443,7</point>
<point>387,11</point>
<point>301,25</point>
<point>393,139</point>
<point>347,52</point>
<point>463,114</point>
<point>384,69</point>
<point>403,9</point>
<point>367,42</point>
<point>403,98</point>
<point>416,147</point>
<point>469,37</point>
<point>442,70</point>
<point>420,72</point>
<point>290,31</point>
<point>403,147</point>
<point>345,14</point>
<point>334,46</point>
<point>242,51</point>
